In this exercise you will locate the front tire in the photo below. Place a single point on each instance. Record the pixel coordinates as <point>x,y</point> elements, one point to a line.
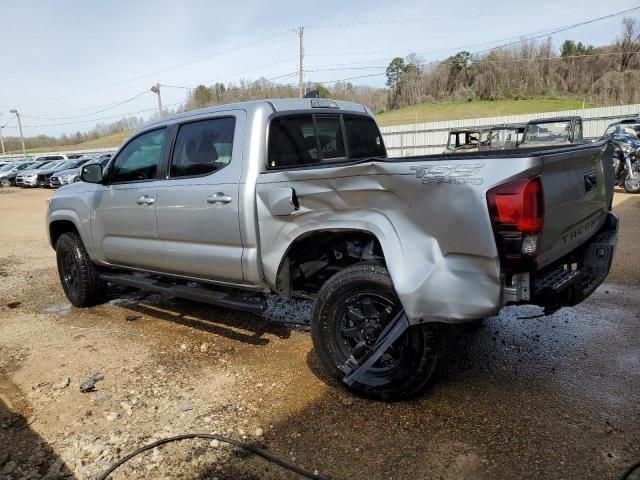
<point>5,182</point>
<point>631,185</point>
<point>351,310</point>
<point>80,278</point>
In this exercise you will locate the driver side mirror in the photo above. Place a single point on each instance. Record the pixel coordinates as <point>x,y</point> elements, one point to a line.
<point>92,173</point>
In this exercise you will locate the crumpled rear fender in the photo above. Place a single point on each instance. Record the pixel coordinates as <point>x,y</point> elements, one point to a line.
<point>437,238</point>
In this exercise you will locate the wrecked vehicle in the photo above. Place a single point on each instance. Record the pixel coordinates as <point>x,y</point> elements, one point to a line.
<point>298,198</point>
<point>504,137</point>
<point>469,139</point>
<point>553,131</point>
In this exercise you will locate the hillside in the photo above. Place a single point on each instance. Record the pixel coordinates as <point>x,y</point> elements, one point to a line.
<point>110,141</point>
<point>441,111</point>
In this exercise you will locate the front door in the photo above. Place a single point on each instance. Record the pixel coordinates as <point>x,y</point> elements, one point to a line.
<point>197,205</point>
<point>124,226</point>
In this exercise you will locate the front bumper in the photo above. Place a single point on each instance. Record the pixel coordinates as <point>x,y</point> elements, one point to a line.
<point>55,182</point>
<point>26,181</point>
<point>575,277</point>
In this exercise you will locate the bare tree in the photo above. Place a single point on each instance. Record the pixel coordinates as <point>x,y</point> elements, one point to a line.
<point>628,43</point>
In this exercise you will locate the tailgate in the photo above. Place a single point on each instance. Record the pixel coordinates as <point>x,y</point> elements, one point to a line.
<point>578,191</point>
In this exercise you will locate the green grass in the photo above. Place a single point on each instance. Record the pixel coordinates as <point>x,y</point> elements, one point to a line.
<point>435,112</point>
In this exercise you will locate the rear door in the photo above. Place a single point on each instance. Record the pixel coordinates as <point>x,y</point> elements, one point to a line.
<point>578,190</point>
<point>197,207</point>
<point>124,225</point>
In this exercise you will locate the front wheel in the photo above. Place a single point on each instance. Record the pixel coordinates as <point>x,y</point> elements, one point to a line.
<point>5,182</point>
<point>351,311</point>
<point>631,185</point>
<point>80,278</point>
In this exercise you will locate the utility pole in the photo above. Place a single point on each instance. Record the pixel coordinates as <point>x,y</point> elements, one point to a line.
<point>2,139</point>
<point>24,150</point>
<point>301,88</point>
<point>156,89</point>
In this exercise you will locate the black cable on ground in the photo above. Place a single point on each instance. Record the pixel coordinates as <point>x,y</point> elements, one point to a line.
<point>630,470</point>
<point>209,436</point>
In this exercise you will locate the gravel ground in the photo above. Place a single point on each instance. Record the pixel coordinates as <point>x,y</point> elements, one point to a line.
<point>551,398</point>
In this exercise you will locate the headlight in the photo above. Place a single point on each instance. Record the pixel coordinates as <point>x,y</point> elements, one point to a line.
<point>65,178</point>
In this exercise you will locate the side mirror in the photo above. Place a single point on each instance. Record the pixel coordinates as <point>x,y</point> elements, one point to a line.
<point>92,173</point>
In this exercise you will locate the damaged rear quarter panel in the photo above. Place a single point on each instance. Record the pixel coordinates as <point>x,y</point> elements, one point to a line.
<point>432,224</point>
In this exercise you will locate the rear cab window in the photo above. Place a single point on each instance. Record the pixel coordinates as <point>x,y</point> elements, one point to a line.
<point>299,140</point>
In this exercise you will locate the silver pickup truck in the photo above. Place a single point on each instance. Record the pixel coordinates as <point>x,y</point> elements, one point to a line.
<point>298,198</point>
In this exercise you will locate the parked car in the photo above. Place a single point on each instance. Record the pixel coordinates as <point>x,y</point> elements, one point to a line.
<point>29,177</point>
<point>70,175</point>
<point>8,175</point>
<point>553,131</point>
<point>296,197</point>
<point>45,175</point>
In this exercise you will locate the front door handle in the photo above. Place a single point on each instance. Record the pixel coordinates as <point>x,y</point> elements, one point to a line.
<point>219,199</point>
<point>145,200</point>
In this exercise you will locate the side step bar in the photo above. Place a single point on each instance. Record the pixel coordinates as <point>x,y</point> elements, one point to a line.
<point>254,304</point>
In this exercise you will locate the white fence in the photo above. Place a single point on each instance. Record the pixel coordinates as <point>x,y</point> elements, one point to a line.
<point>429,138</point>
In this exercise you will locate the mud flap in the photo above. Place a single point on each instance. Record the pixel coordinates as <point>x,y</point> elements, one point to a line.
<point>354,369</point>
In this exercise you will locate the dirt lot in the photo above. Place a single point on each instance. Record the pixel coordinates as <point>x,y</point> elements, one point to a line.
<point>552,398</point>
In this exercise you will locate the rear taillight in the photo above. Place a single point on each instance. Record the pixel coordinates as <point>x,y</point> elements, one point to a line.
<point>517,211</point>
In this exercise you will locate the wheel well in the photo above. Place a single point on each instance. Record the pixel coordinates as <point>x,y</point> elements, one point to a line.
<point>312,258</point>
<point>57,228</point>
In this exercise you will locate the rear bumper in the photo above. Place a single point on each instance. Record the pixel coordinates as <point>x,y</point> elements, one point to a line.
<point>573,278</point>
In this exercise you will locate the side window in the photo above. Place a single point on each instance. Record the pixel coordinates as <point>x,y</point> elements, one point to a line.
<point>140,159</point>
<point>363,137</point>
<point>203,147</point>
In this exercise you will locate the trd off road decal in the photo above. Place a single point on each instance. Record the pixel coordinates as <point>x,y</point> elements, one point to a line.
<point>457,174</point>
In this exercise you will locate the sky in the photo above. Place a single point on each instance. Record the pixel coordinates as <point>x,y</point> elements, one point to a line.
<point>66,64</point>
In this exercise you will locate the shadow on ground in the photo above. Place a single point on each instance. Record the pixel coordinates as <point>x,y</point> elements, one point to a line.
<point>231,324</point>
<point>23,453</point>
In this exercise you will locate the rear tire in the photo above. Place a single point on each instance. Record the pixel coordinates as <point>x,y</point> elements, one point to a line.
<point>338,326</point>
<point>80,278</point>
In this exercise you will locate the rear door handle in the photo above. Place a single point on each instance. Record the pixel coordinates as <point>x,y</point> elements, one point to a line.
<point>145,200</point>
<point>219,199</point>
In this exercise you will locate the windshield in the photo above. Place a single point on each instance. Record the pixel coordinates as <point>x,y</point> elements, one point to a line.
<point>66,165</point>
<point>24,166</point>
<point>7,167</point>
<point>45,165</point>
<point>503,138</point>
<point>549,132</point>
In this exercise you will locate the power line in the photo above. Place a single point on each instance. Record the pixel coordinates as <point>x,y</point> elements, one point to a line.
<point>146,75</point>
<point>438,19</point>
<point>155,109</point>
<point>131,99</point>
<point>520,39</point>
<point>563,29</point>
